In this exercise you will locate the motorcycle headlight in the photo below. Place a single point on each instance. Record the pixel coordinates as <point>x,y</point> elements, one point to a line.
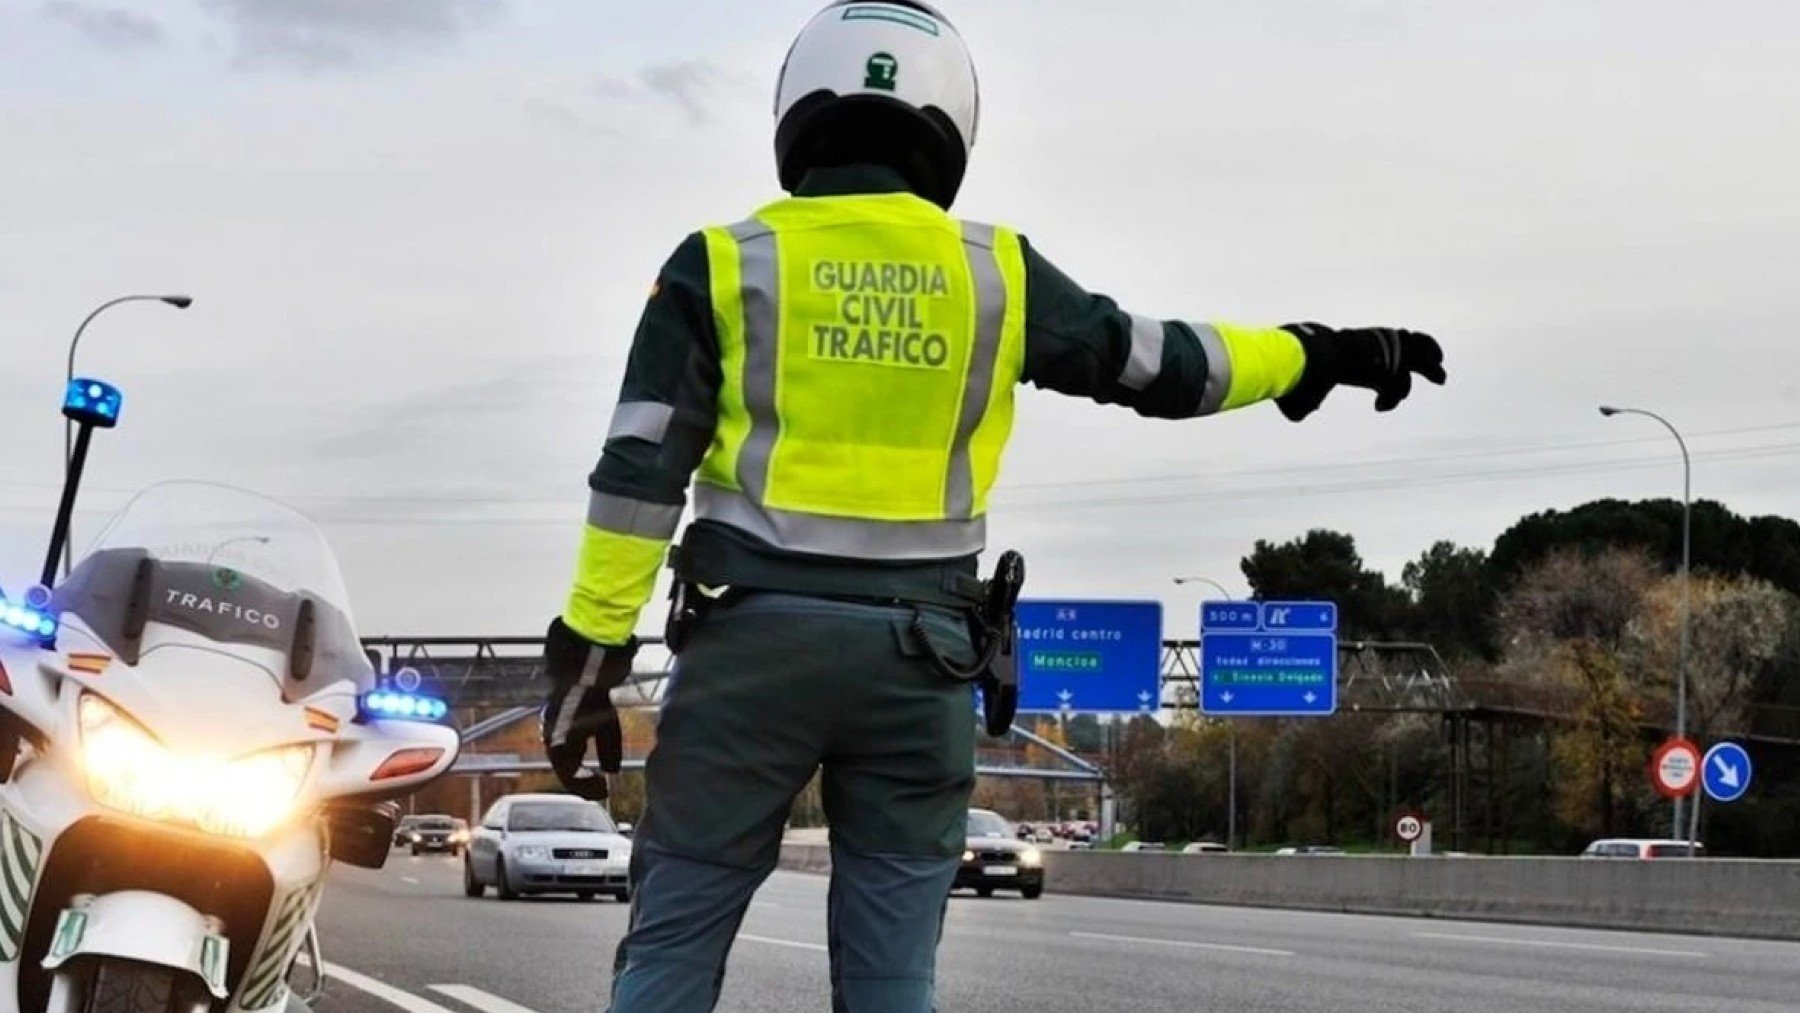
<point>1031,857</point>
<point>968,856</point>
<point>129,770</point>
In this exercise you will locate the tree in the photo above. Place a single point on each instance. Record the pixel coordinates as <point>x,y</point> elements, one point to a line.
<point>1453,596</point>
<point>1565,625</point>
<point>1325,565</point>
<point>1724,542</point>
<point>1738,628</point>
<point>1085,734</point>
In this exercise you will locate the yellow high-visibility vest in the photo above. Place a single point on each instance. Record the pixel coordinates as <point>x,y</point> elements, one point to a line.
<point>870,346</point>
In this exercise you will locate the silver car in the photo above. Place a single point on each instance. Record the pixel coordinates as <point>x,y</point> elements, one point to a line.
<point>530,844</point>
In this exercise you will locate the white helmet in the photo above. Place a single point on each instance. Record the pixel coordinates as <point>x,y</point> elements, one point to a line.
<point>884,81</point>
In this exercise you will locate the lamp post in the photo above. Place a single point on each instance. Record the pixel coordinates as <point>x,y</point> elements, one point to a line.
<point>1207,581</point>
<point>1231,805</point>
<point>1687,514</point>
<point>180,302</point>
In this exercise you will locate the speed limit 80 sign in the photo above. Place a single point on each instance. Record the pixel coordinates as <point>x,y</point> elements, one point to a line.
<point>1410,827</point>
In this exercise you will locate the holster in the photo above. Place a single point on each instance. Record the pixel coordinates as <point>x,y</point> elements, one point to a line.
<point>993,630</point>
<point>1000,676</point>
<point>687,607</point>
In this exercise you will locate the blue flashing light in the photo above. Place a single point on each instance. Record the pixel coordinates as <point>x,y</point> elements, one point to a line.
<point>93,402</point>
<point>390,705</point>
<point>37,622</point>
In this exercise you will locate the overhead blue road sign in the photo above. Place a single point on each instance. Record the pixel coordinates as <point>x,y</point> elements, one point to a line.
<point>1300,616</point>
<point>1230,615</point>
<point>1268,674</point>
<point>1090,656</point>
<point>1285,667</point>
<point>1725,772</point>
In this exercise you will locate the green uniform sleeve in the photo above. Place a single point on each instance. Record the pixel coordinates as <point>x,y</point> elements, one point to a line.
<point>660,431</point>
<point>1083,344</point>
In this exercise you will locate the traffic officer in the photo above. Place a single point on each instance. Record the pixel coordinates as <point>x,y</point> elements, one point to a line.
<point>839,368</point>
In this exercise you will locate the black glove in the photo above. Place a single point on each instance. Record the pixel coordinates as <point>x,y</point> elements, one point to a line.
<point>579,709</point>
<point>1381,359</point>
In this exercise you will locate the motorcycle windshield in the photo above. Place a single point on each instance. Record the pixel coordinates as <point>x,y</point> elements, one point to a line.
<point>223,563</point>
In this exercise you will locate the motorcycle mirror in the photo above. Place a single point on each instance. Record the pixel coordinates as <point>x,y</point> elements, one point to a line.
<point>300,655</point>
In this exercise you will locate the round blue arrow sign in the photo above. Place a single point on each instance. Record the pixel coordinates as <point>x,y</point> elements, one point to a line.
<point>1725,772</point>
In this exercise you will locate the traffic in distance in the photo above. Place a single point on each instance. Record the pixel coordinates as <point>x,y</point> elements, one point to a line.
<point>1005,953</point>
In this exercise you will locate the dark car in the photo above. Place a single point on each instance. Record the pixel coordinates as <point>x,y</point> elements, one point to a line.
<point>403,830</point>
<point>996,860</point>
<point>437,834</point>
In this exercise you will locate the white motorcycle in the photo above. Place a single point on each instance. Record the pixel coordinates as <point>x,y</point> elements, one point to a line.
<point>190,733</point>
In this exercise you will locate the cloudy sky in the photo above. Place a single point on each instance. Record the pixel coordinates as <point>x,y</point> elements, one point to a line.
<point>418,233</point>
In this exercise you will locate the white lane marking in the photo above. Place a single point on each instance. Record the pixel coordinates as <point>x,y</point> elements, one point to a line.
<point>784,942</point>
<point>409,879</point>
<point>759,904</point>
<point>381,990</point>
<point>487,1002</point>
<point>1551,944</point>
<point>1185,944</point>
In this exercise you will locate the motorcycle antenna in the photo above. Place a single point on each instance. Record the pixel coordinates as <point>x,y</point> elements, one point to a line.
<point>90,404</point>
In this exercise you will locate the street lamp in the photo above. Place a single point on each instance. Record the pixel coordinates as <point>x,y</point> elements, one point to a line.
<point>180,302</point>
<point>1231,774</point>
<point>1687,514</point>
<point>1205,580</point>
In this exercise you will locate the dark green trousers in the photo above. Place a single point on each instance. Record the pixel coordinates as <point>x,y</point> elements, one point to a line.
<point>767,691</point>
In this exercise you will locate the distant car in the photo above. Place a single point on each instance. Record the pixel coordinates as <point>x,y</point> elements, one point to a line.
<point>403,830</point>
<point>1311,849</point>
<point>1144,846</point>
<point>547,843</point>
<point>995,859</point>
<point>437,834</point>
<point>1641,848</point>
<point>1204,848</point>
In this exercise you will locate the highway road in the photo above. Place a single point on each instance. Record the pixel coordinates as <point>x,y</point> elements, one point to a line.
<point>406,938</point>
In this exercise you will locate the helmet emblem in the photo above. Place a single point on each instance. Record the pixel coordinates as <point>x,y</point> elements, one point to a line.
<point>226,579</point>
<point>883,71</point>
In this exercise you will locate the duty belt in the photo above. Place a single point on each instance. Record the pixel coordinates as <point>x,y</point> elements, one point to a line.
<point>987,606</point>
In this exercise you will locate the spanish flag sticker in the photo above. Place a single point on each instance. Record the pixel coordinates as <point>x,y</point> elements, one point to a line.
<point>89,664</point>
<point>321,721</point>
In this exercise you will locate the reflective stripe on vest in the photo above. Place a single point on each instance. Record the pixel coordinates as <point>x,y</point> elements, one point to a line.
<point>870,347</point>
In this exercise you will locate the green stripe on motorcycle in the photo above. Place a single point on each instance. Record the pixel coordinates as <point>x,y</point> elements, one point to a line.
<point>214,952</point>
<point>16,905</point>
<point>70,926</point>
<point>19,852</point>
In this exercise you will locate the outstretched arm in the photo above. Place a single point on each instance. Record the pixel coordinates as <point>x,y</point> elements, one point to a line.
<point>1083,344</point>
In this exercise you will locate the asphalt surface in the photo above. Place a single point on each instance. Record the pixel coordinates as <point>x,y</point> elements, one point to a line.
<point>406,938</point>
